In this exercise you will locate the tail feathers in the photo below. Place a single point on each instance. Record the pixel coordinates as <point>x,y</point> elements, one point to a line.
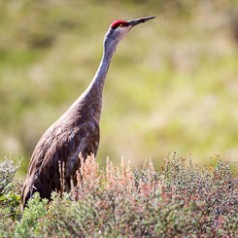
<point>28,190</point>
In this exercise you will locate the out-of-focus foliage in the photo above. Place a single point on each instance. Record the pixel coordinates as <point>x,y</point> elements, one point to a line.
<point>183,200</point>
<point>172,85</point>
<point>7,172</point>
<point>9,199</point>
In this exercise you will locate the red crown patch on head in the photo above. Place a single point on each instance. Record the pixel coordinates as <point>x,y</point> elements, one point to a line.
<point>117,23</point>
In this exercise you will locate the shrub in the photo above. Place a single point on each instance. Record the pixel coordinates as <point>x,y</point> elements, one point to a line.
<point>7,172</point>
<point>9,202</point>
<point>182,200</point>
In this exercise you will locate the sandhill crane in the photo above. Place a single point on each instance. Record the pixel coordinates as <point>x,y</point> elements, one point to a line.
<point>76,131</point>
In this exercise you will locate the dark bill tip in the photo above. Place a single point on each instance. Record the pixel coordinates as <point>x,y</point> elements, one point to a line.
<point>140,20</point>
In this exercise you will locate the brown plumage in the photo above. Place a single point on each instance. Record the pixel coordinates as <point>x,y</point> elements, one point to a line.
<point>75,132</point>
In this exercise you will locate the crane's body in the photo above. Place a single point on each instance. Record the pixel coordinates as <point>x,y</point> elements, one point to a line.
<point>76,131</point>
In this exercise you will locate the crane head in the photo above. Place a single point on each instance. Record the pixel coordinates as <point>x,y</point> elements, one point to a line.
<point>121,24</point>
<point>120,28</point>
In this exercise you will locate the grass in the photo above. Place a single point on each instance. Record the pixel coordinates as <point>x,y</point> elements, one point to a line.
<point>182,200</point>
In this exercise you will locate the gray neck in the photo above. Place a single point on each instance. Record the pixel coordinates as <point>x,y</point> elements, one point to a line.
<point>92,97</point>
<point>100,76</point>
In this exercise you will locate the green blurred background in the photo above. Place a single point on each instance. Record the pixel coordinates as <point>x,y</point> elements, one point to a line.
<point>172,85</point>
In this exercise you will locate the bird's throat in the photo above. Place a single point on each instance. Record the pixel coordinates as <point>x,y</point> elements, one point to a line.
<point>94,92</point>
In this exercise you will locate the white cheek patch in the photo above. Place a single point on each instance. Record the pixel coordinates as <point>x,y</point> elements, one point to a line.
<point>123,29</point>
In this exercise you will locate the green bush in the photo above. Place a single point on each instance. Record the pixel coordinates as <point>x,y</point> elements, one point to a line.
<point>7,172</point>
<point>29,224</point>
<point>182,200</point>
<point>9,202</point>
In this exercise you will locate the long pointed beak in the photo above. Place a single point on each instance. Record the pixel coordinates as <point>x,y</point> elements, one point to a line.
<point>140,20</point>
